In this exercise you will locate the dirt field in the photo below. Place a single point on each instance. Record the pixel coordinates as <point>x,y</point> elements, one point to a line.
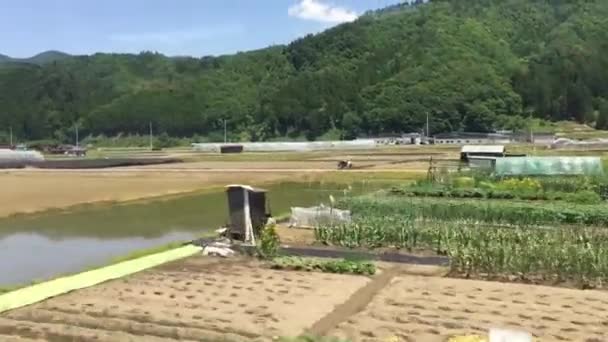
<point>237,300</point>
<point>197,299</point>
<point>26,192</point>
<point>415,308</point>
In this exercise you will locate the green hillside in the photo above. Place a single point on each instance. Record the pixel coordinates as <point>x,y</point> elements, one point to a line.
<point>473,65</point>
<point>39,59</point>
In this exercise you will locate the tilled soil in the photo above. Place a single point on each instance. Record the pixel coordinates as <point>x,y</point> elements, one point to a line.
<point>193,300</point>
<point>204,299</point>
<point>416,308</point>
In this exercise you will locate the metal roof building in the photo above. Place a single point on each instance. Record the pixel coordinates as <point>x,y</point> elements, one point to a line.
<point>482,151</point>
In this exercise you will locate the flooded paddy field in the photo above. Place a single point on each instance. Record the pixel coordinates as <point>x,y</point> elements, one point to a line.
<point>44,245</point>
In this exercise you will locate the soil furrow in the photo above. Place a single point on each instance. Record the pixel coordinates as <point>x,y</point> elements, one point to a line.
<point>52,332</point>
<point>158,330</point>
<point>146,320</point>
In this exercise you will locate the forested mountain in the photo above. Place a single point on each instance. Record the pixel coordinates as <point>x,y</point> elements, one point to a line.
<point>39,59</point>
<point>473,65</point>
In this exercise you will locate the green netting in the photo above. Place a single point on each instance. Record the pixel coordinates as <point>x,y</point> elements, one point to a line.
<point>539,166</point>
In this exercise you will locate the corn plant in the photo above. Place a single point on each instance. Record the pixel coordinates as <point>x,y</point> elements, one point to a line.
<point>563,252</point>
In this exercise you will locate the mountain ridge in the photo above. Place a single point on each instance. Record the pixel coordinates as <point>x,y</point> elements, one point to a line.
<point>470,65</point>
<point>41,58</point>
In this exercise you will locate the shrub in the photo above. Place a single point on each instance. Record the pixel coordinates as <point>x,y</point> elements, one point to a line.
<point>524,185</point>
<point>583,197</point>
<point>269,243</point>
<point>463,182</point>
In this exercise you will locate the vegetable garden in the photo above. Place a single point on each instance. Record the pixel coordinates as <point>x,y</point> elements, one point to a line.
<point>550,240</point>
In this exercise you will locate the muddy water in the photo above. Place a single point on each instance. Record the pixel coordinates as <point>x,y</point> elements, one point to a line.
<point>41,246</point>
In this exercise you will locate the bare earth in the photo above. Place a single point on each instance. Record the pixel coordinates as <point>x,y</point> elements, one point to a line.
<point>415,308</point>
<point>197,299</point>
<point>238,300</point>
<point>32,191</point>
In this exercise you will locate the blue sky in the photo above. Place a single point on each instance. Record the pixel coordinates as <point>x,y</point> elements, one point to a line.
<point>177,27</point>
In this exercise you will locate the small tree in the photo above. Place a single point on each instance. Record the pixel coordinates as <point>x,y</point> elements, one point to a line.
<point>602,116</point>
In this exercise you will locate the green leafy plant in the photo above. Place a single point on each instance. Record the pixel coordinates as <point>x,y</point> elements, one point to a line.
<point>269,243</point>
<point>583,197</point>
<point>325,265</point>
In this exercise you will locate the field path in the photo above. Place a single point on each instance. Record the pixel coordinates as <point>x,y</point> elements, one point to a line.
<point>359,300</point>
<point>356,303</point>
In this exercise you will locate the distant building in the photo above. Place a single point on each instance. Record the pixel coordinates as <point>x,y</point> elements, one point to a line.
<point>463,138</point>
<point>482,152</point>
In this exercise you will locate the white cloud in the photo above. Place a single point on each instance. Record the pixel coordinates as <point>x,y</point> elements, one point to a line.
<point>176,36</point>
<point>319,11</point>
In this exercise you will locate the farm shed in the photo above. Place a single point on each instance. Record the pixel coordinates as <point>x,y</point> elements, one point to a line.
<point>247,209</point>
<point>481,151</point>
<point>482,162</point>
<point>539,166</point>
<point>231,149</point>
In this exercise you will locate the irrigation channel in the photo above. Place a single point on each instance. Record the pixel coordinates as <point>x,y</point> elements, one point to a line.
<point>41,246</point>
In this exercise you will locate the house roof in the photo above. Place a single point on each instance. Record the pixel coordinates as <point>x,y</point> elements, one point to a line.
<point>483,149</point>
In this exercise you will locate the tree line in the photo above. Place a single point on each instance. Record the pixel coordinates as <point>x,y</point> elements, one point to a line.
<point>470,65</point>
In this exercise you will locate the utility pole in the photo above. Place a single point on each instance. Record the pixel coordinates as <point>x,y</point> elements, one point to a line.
<point>151,137</point>
<point>225,133</point>
<point>77,139</point>
<point>428,133</point>
<point>10,129</point>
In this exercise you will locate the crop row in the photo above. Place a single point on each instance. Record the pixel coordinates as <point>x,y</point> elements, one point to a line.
<point>563,252</point>
<point>581,197</point>
<point>488,211</point>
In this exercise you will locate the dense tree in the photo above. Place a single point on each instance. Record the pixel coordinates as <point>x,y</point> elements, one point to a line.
<point>475,65</point>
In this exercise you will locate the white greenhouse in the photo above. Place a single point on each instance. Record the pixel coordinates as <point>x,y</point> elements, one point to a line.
<point>12,158</point>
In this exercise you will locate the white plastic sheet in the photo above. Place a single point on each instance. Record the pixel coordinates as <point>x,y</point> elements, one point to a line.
<point>19,157</point>
<point>316,216</point>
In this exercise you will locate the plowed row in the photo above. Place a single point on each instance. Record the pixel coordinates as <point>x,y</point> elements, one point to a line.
<point>202,299</point>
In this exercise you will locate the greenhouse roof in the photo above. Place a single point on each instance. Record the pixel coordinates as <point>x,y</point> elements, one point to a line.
<point>483,149</point>
<point>538,166</point>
